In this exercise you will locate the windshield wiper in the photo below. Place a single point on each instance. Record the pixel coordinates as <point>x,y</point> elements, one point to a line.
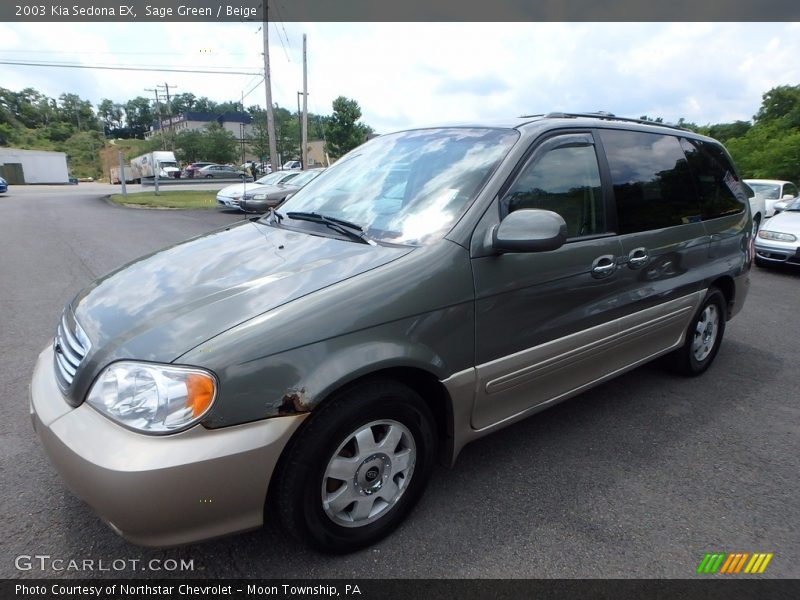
<point>351,230</point>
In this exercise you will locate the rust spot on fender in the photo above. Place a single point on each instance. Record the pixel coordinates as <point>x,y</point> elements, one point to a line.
<point>294,402</point>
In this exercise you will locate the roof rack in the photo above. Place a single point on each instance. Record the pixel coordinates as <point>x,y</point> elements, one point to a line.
<point>607,116</point>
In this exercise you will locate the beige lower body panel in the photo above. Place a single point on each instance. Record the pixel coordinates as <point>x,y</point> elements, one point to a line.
<point>498,393</point>
<point>159,490</point>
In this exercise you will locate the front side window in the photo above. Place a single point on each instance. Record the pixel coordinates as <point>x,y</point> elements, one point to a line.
<point>720,191</point>
<point>789,189</point>
<point>565,180</point>
<point>408,187</point>
<point>652,183</point>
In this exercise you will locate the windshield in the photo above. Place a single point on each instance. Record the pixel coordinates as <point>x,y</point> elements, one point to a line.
<point>770,191</point>
<point>408,187</point>
<point>304,178</point>
<point>273,178</point>
<point>794,205</point>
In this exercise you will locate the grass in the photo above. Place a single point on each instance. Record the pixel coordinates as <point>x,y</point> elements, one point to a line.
<point>168,199</point>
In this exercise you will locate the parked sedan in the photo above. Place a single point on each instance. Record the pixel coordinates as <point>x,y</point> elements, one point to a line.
<point>777,242</point>
<point>3,186</point>
<point>273,196</point>
<point>220,172</point>
<point>773,191</point>
<point>231,196</point>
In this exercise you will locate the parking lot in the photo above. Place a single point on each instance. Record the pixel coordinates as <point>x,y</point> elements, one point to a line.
<point>637,478</point>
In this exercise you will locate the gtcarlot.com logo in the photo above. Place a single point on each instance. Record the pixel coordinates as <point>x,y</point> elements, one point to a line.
<point>46,562</point>
<point>734,563</point>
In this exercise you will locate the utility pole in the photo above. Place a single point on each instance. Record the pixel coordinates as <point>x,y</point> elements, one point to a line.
<point>300,131</point>
<point>304,128</point>
<point>273,148</point>
<point>160,121</point>
<point>171,135</point>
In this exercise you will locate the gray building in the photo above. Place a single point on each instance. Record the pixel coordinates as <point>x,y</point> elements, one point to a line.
<point>238,123</point>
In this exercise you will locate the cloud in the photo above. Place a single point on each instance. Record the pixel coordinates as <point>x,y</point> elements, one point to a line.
<point>410,74</point>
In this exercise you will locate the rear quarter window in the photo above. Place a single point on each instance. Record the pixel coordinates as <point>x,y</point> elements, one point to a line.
<point>721,192</point>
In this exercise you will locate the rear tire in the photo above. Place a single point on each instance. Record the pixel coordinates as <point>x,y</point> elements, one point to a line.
<point>703,337</point>
<point>356,468</point>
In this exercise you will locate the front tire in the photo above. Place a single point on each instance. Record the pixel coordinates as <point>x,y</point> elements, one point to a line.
<point>356,468</point>
<point>703,337</point>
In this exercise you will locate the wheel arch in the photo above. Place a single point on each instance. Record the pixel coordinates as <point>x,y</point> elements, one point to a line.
<point>726,285</point>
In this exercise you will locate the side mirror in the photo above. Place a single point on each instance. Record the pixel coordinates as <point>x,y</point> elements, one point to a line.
<point>787,197</point>
<point>530,230</point>
<point>780,206</point>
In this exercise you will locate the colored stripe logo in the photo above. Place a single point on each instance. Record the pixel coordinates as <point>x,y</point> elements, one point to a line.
<point>734,563</point>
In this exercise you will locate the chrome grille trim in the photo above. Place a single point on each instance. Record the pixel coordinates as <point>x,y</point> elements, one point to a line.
<point>70,346</point>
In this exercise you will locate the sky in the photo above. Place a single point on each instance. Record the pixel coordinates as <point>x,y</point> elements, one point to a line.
<point>415,74</point>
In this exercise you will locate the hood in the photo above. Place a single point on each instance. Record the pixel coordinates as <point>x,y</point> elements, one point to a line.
<point>237,189</point>
<point>164,304</point>
<point>787,221</point>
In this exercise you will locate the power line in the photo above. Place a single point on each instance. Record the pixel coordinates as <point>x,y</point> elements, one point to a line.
<point>225,71</point>
<point>281,41</point>
<point>60,53</point>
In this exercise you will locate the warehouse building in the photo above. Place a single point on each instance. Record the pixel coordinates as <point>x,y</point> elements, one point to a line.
<point>18,167</point>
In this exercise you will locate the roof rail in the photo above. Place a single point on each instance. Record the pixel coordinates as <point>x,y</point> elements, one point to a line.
<point>609,117</point>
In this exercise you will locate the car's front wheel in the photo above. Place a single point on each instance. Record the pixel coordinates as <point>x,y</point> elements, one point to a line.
<point>357,467</point>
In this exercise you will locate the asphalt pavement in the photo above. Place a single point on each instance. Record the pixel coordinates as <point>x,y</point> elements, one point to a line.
<point>637,478</point>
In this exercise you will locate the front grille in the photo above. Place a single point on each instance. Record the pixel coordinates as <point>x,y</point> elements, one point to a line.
<point>70,346</point>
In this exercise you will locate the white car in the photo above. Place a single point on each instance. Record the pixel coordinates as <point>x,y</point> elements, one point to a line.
<point>779,239</point>
<point>231,196</point>
<point>758,206</point>
<point>773,190</point>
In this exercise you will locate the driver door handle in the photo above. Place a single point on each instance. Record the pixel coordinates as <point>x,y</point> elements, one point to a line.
<point>603,266</point>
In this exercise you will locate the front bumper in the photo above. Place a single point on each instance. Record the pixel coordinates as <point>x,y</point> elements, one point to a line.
<point>227,202</point>
<point>159,490</point>
<point>783,253</point>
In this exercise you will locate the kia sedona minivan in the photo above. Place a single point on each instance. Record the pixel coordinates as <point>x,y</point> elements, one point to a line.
<point>431,287</point>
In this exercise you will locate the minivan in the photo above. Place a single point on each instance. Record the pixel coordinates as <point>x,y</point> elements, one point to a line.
<point>432,286</point>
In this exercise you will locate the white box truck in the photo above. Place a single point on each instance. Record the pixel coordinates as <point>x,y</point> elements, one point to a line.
<point>146,166</point>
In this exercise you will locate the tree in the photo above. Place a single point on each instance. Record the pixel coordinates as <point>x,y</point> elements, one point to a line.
<point>259,139</point>
<point>190,146</point>
<point>111,116</point>
<point>138,117</point>
<point>182,103</point>
<point>76,111</point>
<point>344,132</point>
<point>782,102</point>
<point>221,144</point>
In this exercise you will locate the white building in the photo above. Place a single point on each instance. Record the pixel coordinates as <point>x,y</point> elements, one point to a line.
<point>33,166</point>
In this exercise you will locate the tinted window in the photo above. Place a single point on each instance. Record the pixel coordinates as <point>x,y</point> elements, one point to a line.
<point>565,180</point>
<point>719,188</point>
<point>790,189</point>
<point>652,184</point>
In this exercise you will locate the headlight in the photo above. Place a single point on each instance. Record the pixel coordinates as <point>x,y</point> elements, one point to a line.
<point>259,196</point>
<point>774,235</point>
<point>153,398</point>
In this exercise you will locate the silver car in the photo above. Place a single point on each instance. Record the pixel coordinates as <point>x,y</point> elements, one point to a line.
<point>232,195</point>
<point>220,172</point>
<point>274,195</point>
<point>779,239</point>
